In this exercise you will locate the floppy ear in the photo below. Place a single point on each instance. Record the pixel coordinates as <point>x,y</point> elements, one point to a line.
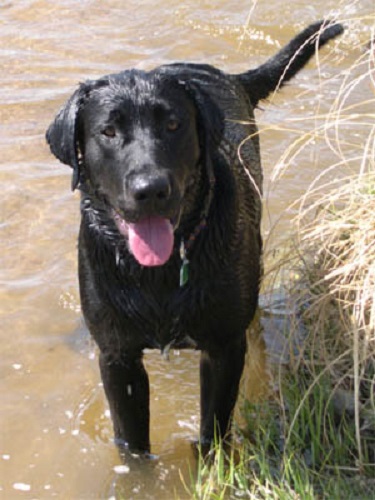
<point>210,130</point>
<point>210,116</point>
<point>211,127</point>
<point>62,134</point>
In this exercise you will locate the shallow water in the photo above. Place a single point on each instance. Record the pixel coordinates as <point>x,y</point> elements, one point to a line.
<point>55,438</point>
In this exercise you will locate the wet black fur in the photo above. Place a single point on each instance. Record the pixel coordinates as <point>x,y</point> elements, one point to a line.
<point>128,307</point>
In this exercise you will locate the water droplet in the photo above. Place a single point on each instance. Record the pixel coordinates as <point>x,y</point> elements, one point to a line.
<point>121,469</point>
<point>22,486</point>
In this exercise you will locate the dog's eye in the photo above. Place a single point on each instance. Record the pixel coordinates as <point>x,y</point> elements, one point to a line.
<point>109,131</point>
<point>173,124</point>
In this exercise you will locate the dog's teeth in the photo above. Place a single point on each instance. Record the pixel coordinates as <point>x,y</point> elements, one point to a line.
<point>129,390</point>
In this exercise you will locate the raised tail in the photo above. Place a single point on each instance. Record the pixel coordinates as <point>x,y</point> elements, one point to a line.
<point>261,81</point>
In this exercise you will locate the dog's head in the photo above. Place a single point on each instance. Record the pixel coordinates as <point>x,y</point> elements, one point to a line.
<point>138,141</point>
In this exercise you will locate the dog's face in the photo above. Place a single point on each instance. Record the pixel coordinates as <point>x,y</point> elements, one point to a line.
<point>140,145</point>
<point>140,139</point>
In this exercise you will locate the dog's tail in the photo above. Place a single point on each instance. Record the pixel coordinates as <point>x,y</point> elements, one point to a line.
<point>261,81</point>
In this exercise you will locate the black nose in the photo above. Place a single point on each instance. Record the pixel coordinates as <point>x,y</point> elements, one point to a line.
<point>151,190</point>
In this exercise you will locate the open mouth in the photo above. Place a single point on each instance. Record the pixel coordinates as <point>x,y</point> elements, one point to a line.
<point>150,239</point>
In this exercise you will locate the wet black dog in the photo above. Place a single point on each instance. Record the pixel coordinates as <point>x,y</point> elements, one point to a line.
<point>169,248</point>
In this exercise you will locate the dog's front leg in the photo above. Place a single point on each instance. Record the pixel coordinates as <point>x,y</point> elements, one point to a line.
<point>220,374</point>
<point>127,389</point>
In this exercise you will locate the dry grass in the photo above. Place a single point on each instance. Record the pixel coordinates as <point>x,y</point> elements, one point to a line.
<point>335,255</point>
<point>339,301</point>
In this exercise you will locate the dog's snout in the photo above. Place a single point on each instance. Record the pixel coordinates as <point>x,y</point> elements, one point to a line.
<point>150,190</point>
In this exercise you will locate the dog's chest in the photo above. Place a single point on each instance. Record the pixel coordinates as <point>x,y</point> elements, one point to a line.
<point>161,310</point>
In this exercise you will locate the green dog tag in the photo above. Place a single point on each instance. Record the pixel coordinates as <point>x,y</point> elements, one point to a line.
<point>184,272</point>
<point>184,269</point>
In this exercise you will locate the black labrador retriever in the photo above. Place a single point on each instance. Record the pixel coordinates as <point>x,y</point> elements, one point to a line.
<point>168,165</point>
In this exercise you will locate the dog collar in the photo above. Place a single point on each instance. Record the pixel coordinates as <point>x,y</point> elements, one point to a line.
<point>185,246</point>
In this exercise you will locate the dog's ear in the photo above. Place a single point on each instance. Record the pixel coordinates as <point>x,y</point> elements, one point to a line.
<point>210,116</point>
<point>62,134</point>
<point>210,128</point>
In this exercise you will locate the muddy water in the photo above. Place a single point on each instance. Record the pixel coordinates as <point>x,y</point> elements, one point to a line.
<point>55,432</point>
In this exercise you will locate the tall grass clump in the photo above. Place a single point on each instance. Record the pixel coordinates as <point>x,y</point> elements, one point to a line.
<point>328,396</point>
<point>314,437</point>
<point>336,246</point>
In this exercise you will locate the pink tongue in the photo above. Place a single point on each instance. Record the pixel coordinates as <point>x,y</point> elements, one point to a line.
<point>151,241</point>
